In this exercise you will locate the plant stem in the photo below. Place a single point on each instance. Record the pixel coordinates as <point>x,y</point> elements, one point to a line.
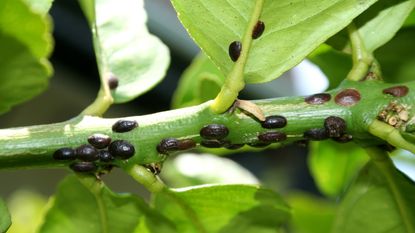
<point>362,59</point>
<point>33,146</point>
<point>383,162</point>
<point>234,82</point>
<point>390,134</point>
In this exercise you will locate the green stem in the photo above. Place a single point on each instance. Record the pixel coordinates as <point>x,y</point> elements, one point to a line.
<point>146,178</point>
<point>101,104</point>
<point>390,134</point>
<point>362,59</point>
<point>386,167</point>
<point>234,82</point>
<point>33,146</point>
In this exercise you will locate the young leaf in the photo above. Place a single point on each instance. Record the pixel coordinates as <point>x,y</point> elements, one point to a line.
<point>25,45</point>
<point>79,209</point>
<point>334,64</point>
<point>292,30</point>
<point>378,201</point>
<point>192,88</point>
<point>223,208</point>
<point>4,217</point>
<point>205,169</point>
<point>397,57</point>
<point>311,214</point>
<point>333,165</point>
<point>377,25</point>
<point>27,209</point>
<point>124,48</point>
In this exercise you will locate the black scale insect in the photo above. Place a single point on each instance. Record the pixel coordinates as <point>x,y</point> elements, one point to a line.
<point>121,149</point>
<point>64,154</point>
<point>112,82</point>
<point>83,167</point>
<point>172,144</point>
<point>99,141</point>
<point>214,131</point>
<point>335,126</point>
<point>235,49</point>
<point>270,137</point>
<point>213,143</point>
<point>258,29</point>
<point>273,122</point>
<point>122,126</point>
<point>105,156</point>
<point>316,134</point>
<point>86,153</point>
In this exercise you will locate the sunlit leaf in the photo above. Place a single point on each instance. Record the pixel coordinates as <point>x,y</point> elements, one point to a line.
<point>27,209</point>
<point>311,214</point>
<point>378,24</point>
<point>397,58</point>
<point>97,209</point>
<point>4,217</point>
<point>205,169</point>
<point>24,48</point>
<point>124,47</point>
<point>378,201</point>
<point>333,165</point>
<point>200,82</point>
<point>40,6</point>
<point>224,208</point>
<point>292,30</point>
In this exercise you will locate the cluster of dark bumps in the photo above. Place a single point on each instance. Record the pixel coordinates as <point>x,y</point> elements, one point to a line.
<point>101,150</point>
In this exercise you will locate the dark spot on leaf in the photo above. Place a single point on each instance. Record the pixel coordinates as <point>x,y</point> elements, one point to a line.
<point>347,97</point>
<point>123,126</point>
<point>316,134</point>
<point>316,99</point>
<point>112,81</point>
<point>235,49</point>
<point>272,122</point>
<point>99,141</point>
<point>121,149</point>
<point>258,29</point>
<point>64,154</point>
<point>86,153</point>
<point>214,131</point>
<point>272,137</point>
<point>397,91</point>
<point>83,167</point>
<point>335,126</point>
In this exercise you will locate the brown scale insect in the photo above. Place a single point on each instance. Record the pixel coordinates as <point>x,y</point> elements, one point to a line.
<point>316,99</point>
<point>316,134</point>
<point>235,49</point>
<point>347,97</point>
<point>335,126</point>
<point>272,137</point>
<point>397,91</point>
<point>168,144</point>
<point>99,141</point>
<point>273,122</point>
<point>185,144</point>
<point>214,131</point>
<point>122,126</point>
<point>258,29</point>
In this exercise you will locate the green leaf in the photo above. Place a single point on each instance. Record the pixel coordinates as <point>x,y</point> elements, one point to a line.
<point>333,165</point>
<point>397,58</point>
<point>377,25</point>
<point>79,209</point>
<point>223,208</point>
<point>410,21</point>
<point>292,30</point>
<point>378,201</point>
<point>201,81</point>
<point>311,214</point>
<point>4,217</point>
<point>24,48</point>
<point>40,6</point>
<point>334,64</point>
<point>124,47</point>
<point>205,169</point>
<point>27,209</point>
